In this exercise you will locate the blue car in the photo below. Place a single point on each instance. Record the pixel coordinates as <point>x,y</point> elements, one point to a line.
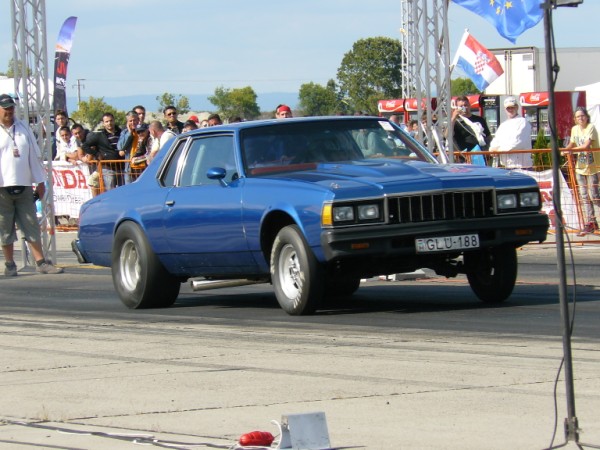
<point>311,205</point>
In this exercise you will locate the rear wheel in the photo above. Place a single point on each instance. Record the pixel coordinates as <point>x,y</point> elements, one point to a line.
<point>296,274</point>
<point>492,273</point>
<point>138,276</point>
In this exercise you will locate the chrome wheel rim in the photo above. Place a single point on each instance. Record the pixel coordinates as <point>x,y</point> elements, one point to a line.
<point>290,272</point>
<point>129,265</point>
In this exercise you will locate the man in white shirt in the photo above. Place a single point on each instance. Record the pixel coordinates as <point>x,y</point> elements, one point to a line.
<point>20,168</point>
<point>160,136</point>
<point>513,134</point>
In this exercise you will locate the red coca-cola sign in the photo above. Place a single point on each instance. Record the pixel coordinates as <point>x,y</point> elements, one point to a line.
<point>534,99</point>
<point>391,105</point>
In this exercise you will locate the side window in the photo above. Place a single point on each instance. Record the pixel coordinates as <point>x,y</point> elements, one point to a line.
<point>204,154</point>
<point>168,178</point>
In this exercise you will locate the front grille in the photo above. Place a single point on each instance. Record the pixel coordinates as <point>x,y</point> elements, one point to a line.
<point>442,206</point>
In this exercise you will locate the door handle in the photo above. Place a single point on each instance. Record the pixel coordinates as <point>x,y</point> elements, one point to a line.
<point>170,202</point>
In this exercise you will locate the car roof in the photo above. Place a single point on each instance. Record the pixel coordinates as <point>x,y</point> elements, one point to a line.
<point>273,122</point>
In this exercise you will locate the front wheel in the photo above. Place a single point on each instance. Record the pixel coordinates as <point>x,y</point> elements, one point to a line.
<point>296,274</point>
<point>138,276</point>
<point>492,273</point>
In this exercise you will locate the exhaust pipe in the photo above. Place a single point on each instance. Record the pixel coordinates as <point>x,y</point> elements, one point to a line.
<point>205,285</point>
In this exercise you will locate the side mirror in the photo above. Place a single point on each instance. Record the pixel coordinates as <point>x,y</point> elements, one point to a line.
<point>217,173</point>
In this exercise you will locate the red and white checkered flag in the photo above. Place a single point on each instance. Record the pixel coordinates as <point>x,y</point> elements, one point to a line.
<point>481,60</point>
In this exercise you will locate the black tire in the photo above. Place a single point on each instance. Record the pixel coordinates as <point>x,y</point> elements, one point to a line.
<point>138,276</point>
<point>341,286</point>
<point>492,273</point>
<point>296,274</point>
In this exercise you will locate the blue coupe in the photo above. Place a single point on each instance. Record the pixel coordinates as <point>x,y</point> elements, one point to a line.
<point>311,205</point>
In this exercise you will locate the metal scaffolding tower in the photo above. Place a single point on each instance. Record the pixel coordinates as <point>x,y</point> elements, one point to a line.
<point>426,62</point>
<point>30,59</point>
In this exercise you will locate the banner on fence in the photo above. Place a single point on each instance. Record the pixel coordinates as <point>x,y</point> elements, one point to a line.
<point>70,187</point>
<point>567,201</point>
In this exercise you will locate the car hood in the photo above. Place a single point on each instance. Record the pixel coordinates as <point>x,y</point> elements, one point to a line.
<point>387,176</point>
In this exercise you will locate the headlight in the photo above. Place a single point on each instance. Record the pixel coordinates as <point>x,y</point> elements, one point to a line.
<point>368,212</point>
<point>359,213</point>
<point>343,213</point>
<point>516,201</point>
<point>529,199</point>
<point>507,201</point>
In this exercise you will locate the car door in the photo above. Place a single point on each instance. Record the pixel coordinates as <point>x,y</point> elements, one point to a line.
<point>202,216</point>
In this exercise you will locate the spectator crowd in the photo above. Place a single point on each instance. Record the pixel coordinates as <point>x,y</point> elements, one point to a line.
<point>116,155</point>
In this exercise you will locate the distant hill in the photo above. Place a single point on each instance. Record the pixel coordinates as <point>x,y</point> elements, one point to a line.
<point>198,102</point>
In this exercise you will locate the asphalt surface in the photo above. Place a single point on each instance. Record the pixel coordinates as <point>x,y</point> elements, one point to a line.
<point>415,364</point>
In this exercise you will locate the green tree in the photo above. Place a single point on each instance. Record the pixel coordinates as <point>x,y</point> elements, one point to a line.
<point>90,112</point>
<point>10,71</point>
<point>542,161</point>
<point>236,102</point>
<point>181,102</point>
<point>371,72</point>
<point>463,86</point>
<point>317,100</point>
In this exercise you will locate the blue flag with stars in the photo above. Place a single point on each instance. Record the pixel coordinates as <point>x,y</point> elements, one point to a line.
<point>510,17</point>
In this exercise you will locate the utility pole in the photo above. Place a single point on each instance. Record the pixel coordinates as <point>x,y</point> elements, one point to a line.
<point>79,85</point>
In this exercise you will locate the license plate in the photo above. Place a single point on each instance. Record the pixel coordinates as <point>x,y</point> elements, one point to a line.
<point>443,244</point>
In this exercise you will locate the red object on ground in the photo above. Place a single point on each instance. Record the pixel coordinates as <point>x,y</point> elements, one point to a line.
<point>257,438</point>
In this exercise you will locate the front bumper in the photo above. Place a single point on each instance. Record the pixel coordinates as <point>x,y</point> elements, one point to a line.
<point>397,240</point>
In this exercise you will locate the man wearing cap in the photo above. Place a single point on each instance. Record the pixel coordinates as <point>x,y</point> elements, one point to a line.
<point>131,142</point>
<point>283,112</point>
<point>513,134</point>
<point>140,151</point>
<point>20,168</point>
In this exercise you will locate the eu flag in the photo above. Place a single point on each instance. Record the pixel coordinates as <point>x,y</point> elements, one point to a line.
<point>510,17</point>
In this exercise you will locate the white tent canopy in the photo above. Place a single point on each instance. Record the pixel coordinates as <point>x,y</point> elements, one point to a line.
<point>7,86</point>
<point>592,95</point>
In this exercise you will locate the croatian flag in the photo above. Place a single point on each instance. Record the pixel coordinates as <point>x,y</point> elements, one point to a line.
<point>477,62</point>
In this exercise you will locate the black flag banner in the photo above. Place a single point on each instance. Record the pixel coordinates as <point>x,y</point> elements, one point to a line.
<point>61,61</point>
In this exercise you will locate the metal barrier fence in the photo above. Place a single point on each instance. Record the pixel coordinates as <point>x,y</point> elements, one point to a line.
<point>541,170</point>
<point>97,177</point>
<point>106,175</point>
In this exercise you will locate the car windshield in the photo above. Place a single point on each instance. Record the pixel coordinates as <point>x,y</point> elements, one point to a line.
<point>291,146</point>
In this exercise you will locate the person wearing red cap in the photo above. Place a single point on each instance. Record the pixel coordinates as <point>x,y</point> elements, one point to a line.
<point>194,119</point>
<point>283,112</point>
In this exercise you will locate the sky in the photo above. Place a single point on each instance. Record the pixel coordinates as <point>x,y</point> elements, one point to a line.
<point>131,47</point>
